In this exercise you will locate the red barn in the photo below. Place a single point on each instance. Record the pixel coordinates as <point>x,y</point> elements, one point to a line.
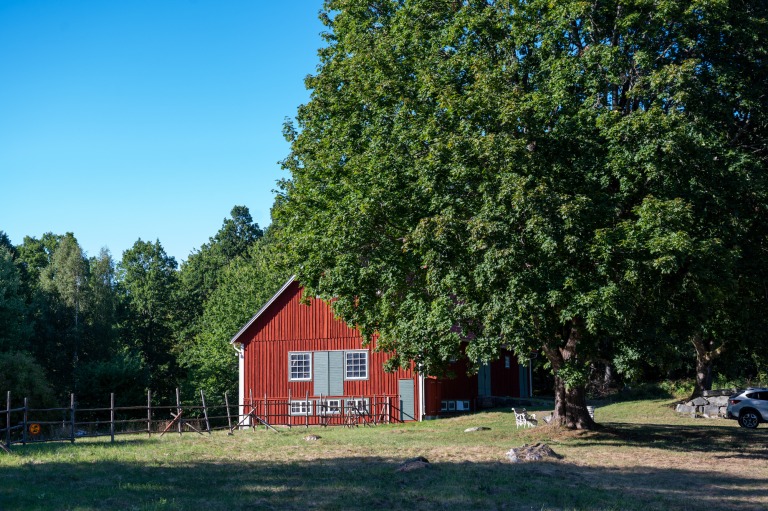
<point>299,365</point>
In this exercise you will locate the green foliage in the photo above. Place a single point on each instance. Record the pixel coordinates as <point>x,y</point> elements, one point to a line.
<point>244,286</point>
<point>101,322</point>
<point>24,377</point>
<point>35,255</point>
<point>96,328</point>
<point>123,374</point>
<point>147,283</point>
<point>13,330</point>
<point>66,273</point>
<point>200,274</point>
<point>569,177</point>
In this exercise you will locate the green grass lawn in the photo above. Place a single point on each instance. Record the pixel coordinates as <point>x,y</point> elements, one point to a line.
<point>646,457</point>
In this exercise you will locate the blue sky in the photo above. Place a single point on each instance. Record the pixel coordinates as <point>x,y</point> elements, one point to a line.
<point>146,119</point>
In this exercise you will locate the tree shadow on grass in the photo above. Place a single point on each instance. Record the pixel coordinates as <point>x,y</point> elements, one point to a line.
<point>365,482</point>
<point>681,438</point>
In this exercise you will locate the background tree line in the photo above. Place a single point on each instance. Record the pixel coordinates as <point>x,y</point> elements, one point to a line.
<point>93,325</point>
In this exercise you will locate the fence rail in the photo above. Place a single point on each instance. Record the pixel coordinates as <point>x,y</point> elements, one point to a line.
<point>23,425</point>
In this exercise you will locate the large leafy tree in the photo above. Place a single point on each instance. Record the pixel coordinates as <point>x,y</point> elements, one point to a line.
<point>546,176</point>
<point>63,282</point>
<point>101,321</point>
<point>147,283</point>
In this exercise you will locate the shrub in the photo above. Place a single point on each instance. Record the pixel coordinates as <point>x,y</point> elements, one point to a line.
<point>24,377</point>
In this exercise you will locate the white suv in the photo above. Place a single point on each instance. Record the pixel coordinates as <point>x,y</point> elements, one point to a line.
<point>750,407</point>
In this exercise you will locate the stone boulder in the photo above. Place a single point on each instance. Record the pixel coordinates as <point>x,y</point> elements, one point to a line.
<point>533,452</point>
<point>712,405</point>
<point>718,400</point>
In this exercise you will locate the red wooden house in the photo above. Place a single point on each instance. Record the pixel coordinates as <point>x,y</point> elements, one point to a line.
<point>298,364</point>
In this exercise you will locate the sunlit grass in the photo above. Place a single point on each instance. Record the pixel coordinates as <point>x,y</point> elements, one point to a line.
<point>646,457</point>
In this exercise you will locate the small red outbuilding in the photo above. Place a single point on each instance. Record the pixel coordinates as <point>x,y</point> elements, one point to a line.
<point>300,365</point>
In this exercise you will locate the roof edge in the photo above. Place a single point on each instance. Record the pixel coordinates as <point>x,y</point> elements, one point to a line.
<point>261,311</point>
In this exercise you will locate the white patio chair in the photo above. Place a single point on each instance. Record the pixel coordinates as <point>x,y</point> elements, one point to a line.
<point>524,419</point>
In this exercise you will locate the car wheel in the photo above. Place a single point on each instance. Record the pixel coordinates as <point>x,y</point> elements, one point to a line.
<point>749,419</point>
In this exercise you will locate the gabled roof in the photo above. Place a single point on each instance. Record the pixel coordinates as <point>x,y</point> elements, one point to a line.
<point>263,309</point>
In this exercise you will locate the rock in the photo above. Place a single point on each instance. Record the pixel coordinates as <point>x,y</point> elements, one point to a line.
<point>699,401</point>
<point>476,428</point>
<point>534,452</point>
<point>718,400</point>
<point>413,464</point>
<point>718,392</point>
<point>710,411</point>
<point>685,409</point>
<point>312,438</point>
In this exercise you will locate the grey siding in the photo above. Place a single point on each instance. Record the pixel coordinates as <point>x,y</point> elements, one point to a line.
<point>336,373</point>
<point>321,373</point>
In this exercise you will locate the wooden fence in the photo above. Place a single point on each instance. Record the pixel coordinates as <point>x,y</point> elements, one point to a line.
<point>25,424</point>
<point>323,410</point>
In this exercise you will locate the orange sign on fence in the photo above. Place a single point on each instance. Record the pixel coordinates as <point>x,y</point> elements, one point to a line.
<point>34,429</point>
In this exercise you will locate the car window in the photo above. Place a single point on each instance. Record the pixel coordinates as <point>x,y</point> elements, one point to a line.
<point>762,396</point>
<point>752,395</point>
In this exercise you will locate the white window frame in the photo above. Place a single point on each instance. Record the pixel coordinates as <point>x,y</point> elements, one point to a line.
<point>346,365</point>
<point>354,405</point>
<point>300,407</point>
<point>328,406</point>
<point>308,355</point>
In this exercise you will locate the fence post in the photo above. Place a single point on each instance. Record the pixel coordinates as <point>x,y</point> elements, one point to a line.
<point>149,412</point>
<point>306,408</point>
<point>72,409</point>
<point>266,410</point>
<point>178,409</point>
<point>250,409</point>
<point>112,417</point>
<point>8,421</point>
<point>24,424</point>
<point>229,416</point>
<point>205,412</point>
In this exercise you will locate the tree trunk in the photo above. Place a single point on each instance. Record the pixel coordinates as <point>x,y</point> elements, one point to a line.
<point>705,357</point>
<point>570,402</point>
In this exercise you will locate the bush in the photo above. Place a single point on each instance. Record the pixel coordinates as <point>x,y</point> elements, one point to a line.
<point>124,375</point>
<point>24,377</point>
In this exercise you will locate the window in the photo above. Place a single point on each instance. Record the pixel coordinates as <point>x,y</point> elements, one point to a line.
<point>356,365</point>
<point>443,406</point>
<point>301,407</point>
<point>299,366</point>
<point>356,406</point>
<point>507,362</point>
<point>328,406</point>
